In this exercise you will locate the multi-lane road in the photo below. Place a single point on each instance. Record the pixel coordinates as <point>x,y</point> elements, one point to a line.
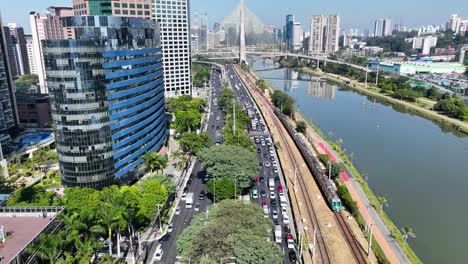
<point>267,197</point>
<point>195,185</point>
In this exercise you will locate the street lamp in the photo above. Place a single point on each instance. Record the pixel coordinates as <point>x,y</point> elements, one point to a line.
<point>227,258</point>
<point>184,258</point>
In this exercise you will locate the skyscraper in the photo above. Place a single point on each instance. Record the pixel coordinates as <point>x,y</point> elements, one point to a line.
<point>30,53</point>
<point>47,26</point>
<point>288,30</point>
<point>126,8</point>
<point>174,19</point>
<point>378,28</point>
<point>332,33</point>
<point>296,37</point>
<point>316,34</point>
<point>203,32</point>
<point>19,48</point>
<point>8,115</point>
<point>387,27</point>
<point>107,98</point>
<point>454,23</point>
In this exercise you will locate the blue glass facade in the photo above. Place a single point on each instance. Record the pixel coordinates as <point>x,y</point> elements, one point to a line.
<point>107,96</point>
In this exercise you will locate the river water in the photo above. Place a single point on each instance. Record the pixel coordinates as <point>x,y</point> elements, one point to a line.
<point>419,166</point>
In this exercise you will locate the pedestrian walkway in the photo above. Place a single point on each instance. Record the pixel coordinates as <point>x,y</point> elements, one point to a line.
<point>391,249</point>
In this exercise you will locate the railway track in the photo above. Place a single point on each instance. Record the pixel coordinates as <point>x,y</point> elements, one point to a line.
<point>321,246</point>
<point>355,247</point>
<point>344,226</point>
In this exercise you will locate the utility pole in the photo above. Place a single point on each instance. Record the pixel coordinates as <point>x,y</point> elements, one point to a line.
<point>367,68</point>
<point>370,241</point>
<point>377,77</point>
<point>234,114</point>
<point>159,215</point>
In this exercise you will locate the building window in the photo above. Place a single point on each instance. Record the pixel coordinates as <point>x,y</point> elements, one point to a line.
<point>125,12</point>
<point>117,11</point>
<point>124,5</point>
<point>132,5</point>
<point>116,4</point>
<point>132,12</point>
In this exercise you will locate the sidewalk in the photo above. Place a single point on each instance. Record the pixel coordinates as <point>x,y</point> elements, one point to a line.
<point>391,249</point>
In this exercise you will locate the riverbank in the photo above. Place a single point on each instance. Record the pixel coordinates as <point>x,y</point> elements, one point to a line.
<point>412,108</point>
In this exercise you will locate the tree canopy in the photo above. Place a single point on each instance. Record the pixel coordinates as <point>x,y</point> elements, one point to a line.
<point>283,101</point>
<point>223,188</point>
<point>233,162</point>
<point>231,228</point>
<point>191,142</point>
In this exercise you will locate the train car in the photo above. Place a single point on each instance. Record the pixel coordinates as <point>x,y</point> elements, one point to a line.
<point>314,164</point>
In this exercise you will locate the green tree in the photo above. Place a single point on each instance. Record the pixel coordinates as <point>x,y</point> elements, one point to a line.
<point>154,162</point>
<point>47,248</point>
<point>301,126</point>
<point>224,230</point>
<point>283,101</point>
<point>432,93</point>
<point>382,201</point>
<point>336,169</point>
<point>187,121</point>
<point>223,188</point>
<point>24,83</point>
<point>407,232</point>
<point>233,162</point>
<point>192,142</point>
<point>153,193</point>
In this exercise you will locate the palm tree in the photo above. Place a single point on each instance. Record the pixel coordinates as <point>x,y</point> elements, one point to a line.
<point>154,161</point>
<point>47,248</point>
<point>383,201</point>
<point>408,232</point>
<point>113,198</point>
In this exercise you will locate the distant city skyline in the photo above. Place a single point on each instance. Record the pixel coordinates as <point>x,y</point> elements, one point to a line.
<point>361,15</point>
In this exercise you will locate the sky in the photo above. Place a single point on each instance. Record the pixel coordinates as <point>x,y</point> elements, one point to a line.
<point>359,14</point>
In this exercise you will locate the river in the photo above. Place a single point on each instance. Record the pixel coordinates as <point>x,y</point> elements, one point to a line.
<point>419,166</point>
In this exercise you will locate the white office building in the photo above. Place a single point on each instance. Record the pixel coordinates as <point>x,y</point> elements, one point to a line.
<point>332,34</point>
<point>316,34</point>
<point>174,19</point>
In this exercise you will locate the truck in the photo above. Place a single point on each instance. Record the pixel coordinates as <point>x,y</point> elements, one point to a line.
<point>278,236</point>
<point>271,184</point>
<point>189,200</point>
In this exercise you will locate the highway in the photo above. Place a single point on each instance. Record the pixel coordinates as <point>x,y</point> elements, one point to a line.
<point>267,157</point>
<point>197,185</point>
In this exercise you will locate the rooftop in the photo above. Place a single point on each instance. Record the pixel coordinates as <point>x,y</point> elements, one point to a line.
<point>22,226</point>
<point>30,98</point>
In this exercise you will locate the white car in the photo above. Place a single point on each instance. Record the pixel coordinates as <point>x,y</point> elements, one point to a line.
<point>158,254</point>
<point>177,210</point>
<point>284,211</point>
<point>197,207</point>
<point>184,195</point>
<point>170,227</point>
<point>267,164</point>
<point>275,170</point>
<point>275,164</point>
<point>272,195</point>
<point>290,244</point>
<point>286,219</point>
<point>266,212</point>
<point>274,213</point>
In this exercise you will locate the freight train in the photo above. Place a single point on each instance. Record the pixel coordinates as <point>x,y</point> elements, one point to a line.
<point>314,164</point>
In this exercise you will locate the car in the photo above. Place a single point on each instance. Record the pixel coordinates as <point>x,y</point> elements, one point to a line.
<point>286,219</point>
<point>262,179</point>
<point>265,155</point>
<point>267,164</point>
<point>275,222</point>
<point>272,195</point>
<point>201,196</point>
<point>272,158</point>
<point>273,203</point>
<point>275,164</point>
<point>259,150</point>
<point>262,193</point>
<point>290,241</point>
<point>274,213</point>
<point>254,193</point>
<point>284,211</point>
<point>275,170</point>
<point>170,227</point>
<point>266,212</point>
<point>158,254</point>
<point>263,143</point>
<point>177,210</point>
<point>260,164</point>
<point>197,207</point>
<point>212,126</point>
<point>164,238</point>
<point>217,118</point>
<point>184,195</point>
<point>189,182</point>
<point>287,229</point>
<point>277,179</point>
<point>292,256</point>
<point>217,127</point>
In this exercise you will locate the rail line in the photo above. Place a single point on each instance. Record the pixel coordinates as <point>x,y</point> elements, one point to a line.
<point>355,247</point>
<point>322,247</point>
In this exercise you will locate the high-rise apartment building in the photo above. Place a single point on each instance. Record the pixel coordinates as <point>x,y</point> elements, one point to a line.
<point>46,26</point>
<point>454,23</point>
<point>126,8</point>
<point>174,19</point>
<point>10,53</point>
<point>30,53</point>
<point>387,27</point>
<point>316,34</point>
<point>378,28</point>
<point>288,31</point>
<point>107,98</point>
<point>19,47</point>
<point>296,37</point>
<point>203,41</point>
<point>383,27</point>
<point>8,114</point>
<point>332,31</point>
